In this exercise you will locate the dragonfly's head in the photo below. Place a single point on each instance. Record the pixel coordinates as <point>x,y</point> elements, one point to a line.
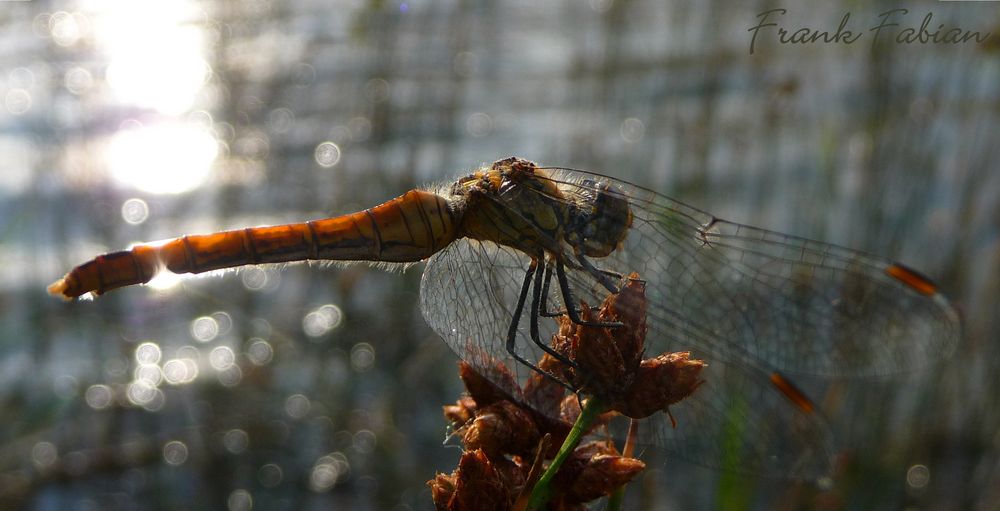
<point>602,221</point>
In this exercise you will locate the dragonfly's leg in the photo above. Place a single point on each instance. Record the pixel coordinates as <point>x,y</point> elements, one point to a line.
<point>612,274</point>
<point>535,305</point>
<point>530,275</point>
<point>602,276</point>
<point>544,309</point>
<point>572,312</point>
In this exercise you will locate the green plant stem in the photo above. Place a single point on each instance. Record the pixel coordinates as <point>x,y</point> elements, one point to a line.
<point>543,491</point>
<point>616,498</point>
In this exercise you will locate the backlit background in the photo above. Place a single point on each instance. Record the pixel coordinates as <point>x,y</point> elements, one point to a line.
<point>311,387</point>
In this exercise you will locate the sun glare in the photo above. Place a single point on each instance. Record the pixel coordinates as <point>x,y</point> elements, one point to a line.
<point>165,280</point>
<point>155,54</point>
<point>156,63</point>
<point>172,157</point>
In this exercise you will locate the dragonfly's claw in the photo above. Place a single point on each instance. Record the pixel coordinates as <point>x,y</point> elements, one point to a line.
<point>601,324</point>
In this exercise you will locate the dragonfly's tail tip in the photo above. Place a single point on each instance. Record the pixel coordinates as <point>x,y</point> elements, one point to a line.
<point>58,288</point>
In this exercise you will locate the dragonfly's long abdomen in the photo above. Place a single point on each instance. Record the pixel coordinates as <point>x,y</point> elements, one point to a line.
<point>408,228</point>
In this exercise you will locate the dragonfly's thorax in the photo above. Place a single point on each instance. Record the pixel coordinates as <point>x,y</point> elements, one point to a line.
<point>509,205</point>
<point>514,203</point>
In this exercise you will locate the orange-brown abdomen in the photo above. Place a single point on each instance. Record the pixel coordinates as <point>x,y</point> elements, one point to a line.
<point>408,228</point>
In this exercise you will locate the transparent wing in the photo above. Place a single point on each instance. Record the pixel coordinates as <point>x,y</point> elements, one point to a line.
<point>737,421</point>
<point>467,294</point>
<point>752,295</point>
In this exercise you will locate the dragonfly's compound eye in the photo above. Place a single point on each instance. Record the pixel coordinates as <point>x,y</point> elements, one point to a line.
<point>605,219</point>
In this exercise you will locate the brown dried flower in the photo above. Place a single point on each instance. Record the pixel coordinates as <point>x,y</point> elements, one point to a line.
<point>606,358</point>
<point>659,383</point>
<point>595,469</point>
<point>479,483</point>
<point>484,393</point>
<point>502,428</point>
<point>461,412</point>
<point>542,392</point>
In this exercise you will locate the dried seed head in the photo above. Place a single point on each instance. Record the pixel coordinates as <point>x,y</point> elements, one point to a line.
<point>502,428</point>
<point>543,393</point>
<point>593,470</point>
<point>659,383</point>
<point>628,307</point>
<point>600,368</point>
<point>442,489</point>
<point>499,384</point>
<point>602,475</point>
<point>461,412</point>
<point>609,359</point>
<point>484,393</point>
<point>476,484</point>
<point>606,358</point>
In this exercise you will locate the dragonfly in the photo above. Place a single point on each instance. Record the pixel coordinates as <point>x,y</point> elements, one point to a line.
<point>513,244</point>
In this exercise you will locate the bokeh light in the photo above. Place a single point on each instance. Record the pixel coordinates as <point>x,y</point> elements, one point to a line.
<point>918,476</point>
<point>362,356</point>
<point>67,28</point>
<point>148,373</point>
<point>297,406</point>
<point>17,101</point>
<point>259,351</point>
<point>177,371</point>
<point>322,320</point>
<point>632,130</point>
<point>230,376</point>
<point>254,278</point>
<point>364,441</point>
<point>135,211</point>
<point>270,475</point>
<point>479,124</point>
<point>235,441</point>
<point>327,154</point>
<point>44,454</point>
<point>223,320</point>
<point>148,353</point>
<point>204,328</point>
<point>240,500</point>
<point>141,392</point>
<point>78,80</point>
<point>221,358</point>
<point>327,471</point>
<point>175,452</point>
<point>98,397</point>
